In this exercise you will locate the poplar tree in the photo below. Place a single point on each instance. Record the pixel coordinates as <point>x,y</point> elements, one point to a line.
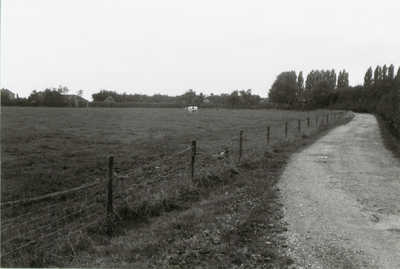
<point>391,73</point>
<point>368,78</point>
<point>343,79</point>
<point>384,73</point>
<point>377,76</point>
<point>332,78</point>
<point>310,81</point>
<point>300,85</point>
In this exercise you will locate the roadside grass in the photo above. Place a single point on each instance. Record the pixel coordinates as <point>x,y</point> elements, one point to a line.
<point>390,136</point>
<point>227,217</point>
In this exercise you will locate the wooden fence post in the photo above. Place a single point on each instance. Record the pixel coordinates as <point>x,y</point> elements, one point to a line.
<point>285,130</point>
<point>267,134</point>
<point>299,125</point>
<point>110,194</point>
<point>193,159</point>
<point>240,145</point>
<point>308,122</point>
<point>327,119</point>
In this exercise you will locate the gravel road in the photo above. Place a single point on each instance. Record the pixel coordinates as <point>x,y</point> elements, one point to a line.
<point>341,200</point>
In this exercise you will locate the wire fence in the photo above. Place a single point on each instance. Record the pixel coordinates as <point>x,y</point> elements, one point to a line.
<point>48,229</point>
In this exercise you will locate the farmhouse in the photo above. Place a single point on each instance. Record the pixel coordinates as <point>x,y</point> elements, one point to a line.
<point>109,100</point>
<point>10,94</point>
<point>76,100</point>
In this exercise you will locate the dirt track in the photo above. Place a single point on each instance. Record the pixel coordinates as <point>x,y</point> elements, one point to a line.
<point>341,200</point>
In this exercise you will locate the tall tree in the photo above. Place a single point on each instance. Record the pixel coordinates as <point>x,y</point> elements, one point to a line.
<point>343,79</point>
<point>284,89</point>
<point>234,99</point>
<point>391,72</point>
<point>377,77</point>
<point>300,85</point>
<point>384,73</point>
<point>310,81</point>
<point>245,97</point>
<point>332,78</point>
<point>320,93</point>
<point>188,97</point>
<point>368,78</point>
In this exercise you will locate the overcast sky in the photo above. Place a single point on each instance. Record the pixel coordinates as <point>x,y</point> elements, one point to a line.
<point>169,47</point>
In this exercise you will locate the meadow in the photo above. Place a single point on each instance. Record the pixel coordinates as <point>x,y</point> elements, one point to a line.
<point>50,155</point>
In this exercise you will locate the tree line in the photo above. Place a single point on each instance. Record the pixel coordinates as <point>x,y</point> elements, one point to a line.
<point>237,99</point>
<point>57,97</point>
<point>379,94</point>
<point>50,97</point>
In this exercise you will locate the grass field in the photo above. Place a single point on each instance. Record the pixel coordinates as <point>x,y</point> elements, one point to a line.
<point>49,150</point>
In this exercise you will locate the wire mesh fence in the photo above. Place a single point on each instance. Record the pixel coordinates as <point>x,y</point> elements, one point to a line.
<point>51,225</point>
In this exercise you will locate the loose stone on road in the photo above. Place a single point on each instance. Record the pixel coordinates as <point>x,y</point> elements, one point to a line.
<point>341,200</point>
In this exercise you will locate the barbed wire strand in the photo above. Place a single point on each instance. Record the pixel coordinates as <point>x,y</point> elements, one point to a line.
<point>28,200</point>
<point>47,235</point>
<point>47,208</point>
<point>49,224</point>
<point>39,217</point>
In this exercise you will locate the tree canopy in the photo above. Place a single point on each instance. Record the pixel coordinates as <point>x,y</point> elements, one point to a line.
<point>284,89</point>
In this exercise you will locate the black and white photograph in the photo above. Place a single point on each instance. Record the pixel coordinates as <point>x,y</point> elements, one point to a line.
<point>200,134</point>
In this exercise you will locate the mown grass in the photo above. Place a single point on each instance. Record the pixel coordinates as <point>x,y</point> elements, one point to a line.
<point>227,217</point>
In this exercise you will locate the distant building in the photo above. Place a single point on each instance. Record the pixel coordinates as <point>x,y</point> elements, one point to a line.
<point>75,100</point>
<point>109,100</point>
<point>9,93</point>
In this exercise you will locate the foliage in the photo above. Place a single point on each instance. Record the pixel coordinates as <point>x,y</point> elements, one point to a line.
<point>368,79</point>
<point>343,79</point>
<point>380,94</point>
<point>50,97</point>
<point>242,99</point>
<point>300,85</point>
<point>53,98</point>
<point>318,96</point>
<point>103,94</point>
<point>284,89</point>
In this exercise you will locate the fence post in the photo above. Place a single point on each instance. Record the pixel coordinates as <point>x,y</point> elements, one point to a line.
<point>299,125</point>
<point>240,145</point>
<point>308,122</point>
<point>327,119</point>
<point>193,159</point>
<point>285,130</point>
<point>110,194</point>
<point>267,134</point>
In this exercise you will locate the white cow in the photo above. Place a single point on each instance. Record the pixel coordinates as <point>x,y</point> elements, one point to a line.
<point>190,109</point>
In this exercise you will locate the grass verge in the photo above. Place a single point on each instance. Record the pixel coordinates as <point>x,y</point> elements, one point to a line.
<point>391,136</point>
<point>230,218</point>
